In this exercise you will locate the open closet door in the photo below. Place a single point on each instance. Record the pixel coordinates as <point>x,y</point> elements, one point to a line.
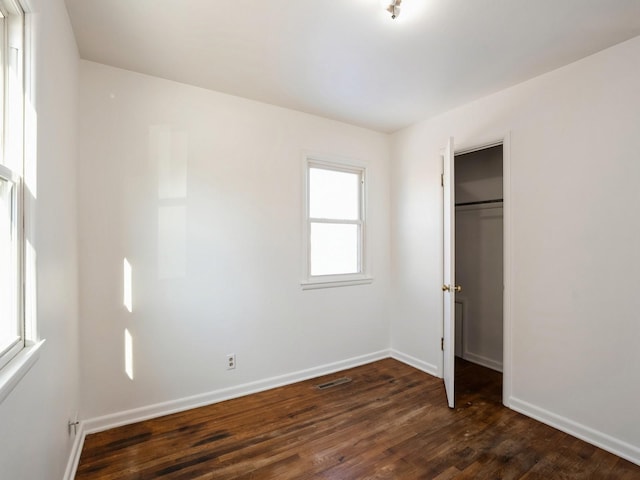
<point>449,287</point>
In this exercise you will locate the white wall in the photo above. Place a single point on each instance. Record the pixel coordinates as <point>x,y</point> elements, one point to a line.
<point>574,237</point>
<point>202,193</point>
<point>34,442</point>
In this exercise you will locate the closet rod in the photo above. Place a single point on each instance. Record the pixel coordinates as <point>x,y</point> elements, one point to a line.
<point>480,202</point>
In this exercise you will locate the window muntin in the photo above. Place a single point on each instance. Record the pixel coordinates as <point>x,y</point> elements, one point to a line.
<point>335,222</point>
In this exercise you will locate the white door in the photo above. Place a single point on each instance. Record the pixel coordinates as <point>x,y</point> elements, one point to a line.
<point>449,286</point>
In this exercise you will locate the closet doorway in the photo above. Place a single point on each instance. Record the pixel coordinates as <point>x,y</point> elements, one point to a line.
<point>479,262</point>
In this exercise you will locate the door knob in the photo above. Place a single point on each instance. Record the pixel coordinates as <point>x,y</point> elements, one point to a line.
<point>448,288</point>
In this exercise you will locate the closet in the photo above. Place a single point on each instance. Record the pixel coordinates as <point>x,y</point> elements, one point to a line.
<point>479,256</point>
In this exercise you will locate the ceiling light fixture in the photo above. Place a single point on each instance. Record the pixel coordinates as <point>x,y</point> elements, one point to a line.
<point>393,7</point>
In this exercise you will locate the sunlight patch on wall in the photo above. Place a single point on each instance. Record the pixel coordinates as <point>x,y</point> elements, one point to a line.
<point>172,165</point>
<point>30,293</point>
<point>128,287</point>
<point>172,241</point>
<point>168,156</point>
<point>31,149</point>
<point>168,153</point>
<point>128,354</point>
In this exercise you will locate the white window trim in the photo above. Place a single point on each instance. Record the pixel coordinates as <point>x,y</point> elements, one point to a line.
<point>310,282</point>
<point>17,367</point>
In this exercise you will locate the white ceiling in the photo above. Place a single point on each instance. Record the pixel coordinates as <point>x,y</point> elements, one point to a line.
<point>347,59</point>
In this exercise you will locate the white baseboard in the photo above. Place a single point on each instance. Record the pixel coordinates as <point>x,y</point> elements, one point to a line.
<point>415,363</point>
<point>594,437</point>
<point>118,419</point>
<point>74,456</point>
<point>484,361</point>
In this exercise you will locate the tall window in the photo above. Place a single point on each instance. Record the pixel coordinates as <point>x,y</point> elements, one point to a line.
<point>335,224</point>
<point>11,171</point>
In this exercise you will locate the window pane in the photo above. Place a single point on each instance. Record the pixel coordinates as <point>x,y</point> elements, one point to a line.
<point>333,194</point>
<point>334,249</point>
<point>9,331</point>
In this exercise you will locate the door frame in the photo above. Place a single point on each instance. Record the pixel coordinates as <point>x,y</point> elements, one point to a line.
<point>507,250</point>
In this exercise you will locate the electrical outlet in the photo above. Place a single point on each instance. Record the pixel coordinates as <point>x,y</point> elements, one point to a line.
<point>231,361</point>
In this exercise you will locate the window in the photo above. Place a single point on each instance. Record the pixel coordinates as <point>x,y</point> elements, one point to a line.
<point>335,224</point>
<point>12,325</point>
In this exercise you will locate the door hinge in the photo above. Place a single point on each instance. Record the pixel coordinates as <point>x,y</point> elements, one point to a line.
<point>442,343</point>
<point>442,179</point>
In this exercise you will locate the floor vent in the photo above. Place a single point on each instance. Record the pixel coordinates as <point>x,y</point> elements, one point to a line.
<point>333,383</point>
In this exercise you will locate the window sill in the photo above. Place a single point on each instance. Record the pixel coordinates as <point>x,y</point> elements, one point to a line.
<point>17,368</point>
<point>330,282</point>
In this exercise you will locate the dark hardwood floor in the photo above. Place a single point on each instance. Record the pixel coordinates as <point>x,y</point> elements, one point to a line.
<point>390,422</point>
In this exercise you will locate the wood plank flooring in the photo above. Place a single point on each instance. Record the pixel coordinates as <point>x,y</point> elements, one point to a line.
<point>390,422</point>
